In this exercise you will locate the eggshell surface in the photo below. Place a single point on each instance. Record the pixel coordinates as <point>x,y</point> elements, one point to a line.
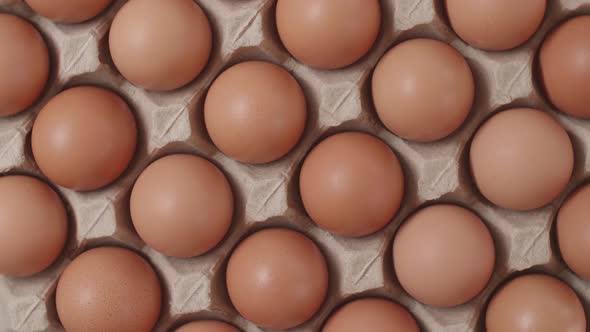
<point>351,184</point>
<point>495,25</point>
<point>277,278</point>
<point>182,205</point>
<point>443,255</point>
<point>371,314</point>
<point>33,225</point>
<point>108,289</point>
<point>84,138</point>
<point>255,112</point>
<point>160,45</point>
<point>564,66</point>
<point>521,159</point>
<point>207,326</point>
<point>24,64</point>
<point>423,90</point>
<point>68,11</point>
<point>328,34</point>
<point>573,231</point>
<point>535,302</point>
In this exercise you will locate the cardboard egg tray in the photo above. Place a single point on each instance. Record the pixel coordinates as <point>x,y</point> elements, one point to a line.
<point>267,195</point>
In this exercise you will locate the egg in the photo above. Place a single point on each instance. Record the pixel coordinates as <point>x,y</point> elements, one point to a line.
<point>24,64</point>
<point>277,278</point>
<point>573,231</point>
<point>84,138</point>
<point>423,90</point>
<point>521,159</point>
<point>351,184</point>
<point>443,255</point>
<point>371,314</point>
<point>33,225</point>
<point>108,289</point>
<point>564,66</point>
<point>160,45</point>
<point>67,11</point>
<point>207,326</point>
<point>328,34</point>
<point>535,303</point>
<point>255,112</point>
<point>495,25</point>
<point>182,205</point>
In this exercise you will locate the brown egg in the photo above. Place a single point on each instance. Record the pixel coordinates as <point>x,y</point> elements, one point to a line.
<point>521,159</point>
<point>495,25</point>
<point>33,225</point>
<point>423,90</point>
<point>24,64</point>
<point>182,205</point>
<point>371,314</point>
<point>328,34</point>
<point>535,303</point>
<point>351,184</point>
<point>573,231</point>
<point>160,45</point>
<point>564,63</point>
<point>84,138</point>
<point>207,326</point>
<point>108,289</point>
<point>443,255</point>
<point>255,112</point>
<point>68,11</point>
<point>277,278</point>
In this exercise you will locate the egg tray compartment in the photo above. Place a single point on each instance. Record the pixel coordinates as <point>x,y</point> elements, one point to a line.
<point>267,195</point>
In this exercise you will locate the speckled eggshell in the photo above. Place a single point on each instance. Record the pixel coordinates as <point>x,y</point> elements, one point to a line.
<point>108,289</point>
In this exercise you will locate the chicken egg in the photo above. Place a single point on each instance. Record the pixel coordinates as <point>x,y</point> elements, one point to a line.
<point>328,34</point>
<point>255,112</point>
<point>33,225</point>
<point>371,314</point>
<point>535,303</point>
<point>423,90</point>
<point>182,205</point>
<point>564,66</point>
<point>24,64</point>
<point>160,45</point>
<point>277,278</point>
<point>443,255</point>
<point>351,184</point>
<point>84,138</point>
<point>108,289</point>
<point>68,11</point>
<point>521,159</point>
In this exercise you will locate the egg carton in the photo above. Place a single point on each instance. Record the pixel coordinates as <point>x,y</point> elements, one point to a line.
<point>267,195</point>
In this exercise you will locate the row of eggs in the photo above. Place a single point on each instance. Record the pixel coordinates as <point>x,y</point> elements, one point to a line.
<point>277,278</point>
